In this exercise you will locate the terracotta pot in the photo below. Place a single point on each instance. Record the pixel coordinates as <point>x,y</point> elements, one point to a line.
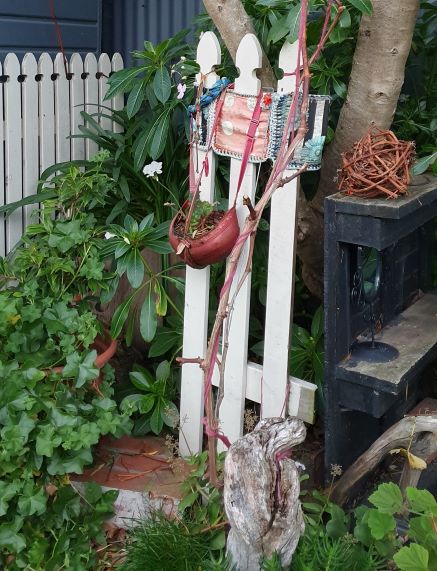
<point>106,348</point>
<point>213,247</point>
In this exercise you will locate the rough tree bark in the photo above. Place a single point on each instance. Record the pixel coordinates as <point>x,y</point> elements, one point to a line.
<point>233,23</point>
<point>261,493</point>
<point>375,83</point>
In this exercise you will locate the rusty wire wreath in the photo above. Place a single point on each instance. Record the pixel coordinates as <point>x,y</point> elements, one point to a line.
<point>378,165</point>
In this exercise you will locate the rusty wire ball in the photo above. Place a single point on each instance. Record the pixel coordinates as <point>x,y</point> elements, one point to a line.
<point>377,166</point>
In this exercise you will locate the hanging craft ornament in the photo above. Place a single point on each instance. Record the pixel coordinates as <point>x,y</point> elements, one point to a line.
<point>378,166</point>
<point>198,234</point>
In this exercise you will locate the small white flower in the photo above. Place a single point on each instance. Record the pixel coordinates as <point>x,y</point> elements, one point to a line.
<point>152,169</point>
<point>181,87</point>
<point>183,58</point>
<point>126,239</point>
<point>109,235</point>
<point>300,466</point>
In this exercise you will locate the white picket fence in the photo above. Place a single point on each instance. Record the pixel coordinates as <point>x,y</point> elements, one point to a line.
<point>266,384</point>
<point>39,108</point>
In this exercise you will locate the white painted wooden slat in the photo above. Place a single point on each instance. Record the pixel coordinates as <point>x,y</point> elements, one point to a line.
<point>302,407</point>
<point>248,60</point>
<point>104,67</point>
<point>118,100</point>
<point>30,131</point>
<point>13,149</point>
<point>77,105</point>
<point>62,111</point>
<point>197,292</point>
<point>2,173</point>
<point>46,95</point>
<point>91,97</point>
<point>281,268</point>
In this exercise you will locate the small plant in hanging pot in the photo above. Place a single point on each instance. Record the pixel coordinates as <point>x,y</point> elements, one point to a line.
<point>200,235</point>
<point>205,237</point>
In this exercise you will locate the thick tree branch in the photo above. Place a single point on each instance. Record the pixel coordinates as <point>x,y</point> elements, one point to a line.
<point>375,83</point>
<point>233,23</point>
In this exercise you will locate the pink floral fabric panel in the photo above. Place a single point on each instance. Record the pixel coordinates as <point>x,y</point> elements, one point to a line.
<point>230,137</point>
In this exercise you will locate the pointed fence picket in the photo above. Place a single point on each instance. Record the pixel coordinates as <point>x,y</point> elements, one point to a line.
<point>268,384</point>
<point>40,106</point>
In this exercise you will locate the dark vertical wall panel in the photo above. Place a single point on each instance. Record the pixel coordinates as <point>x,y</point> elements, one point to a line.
<point>27,26</point>
<point>127,23</point>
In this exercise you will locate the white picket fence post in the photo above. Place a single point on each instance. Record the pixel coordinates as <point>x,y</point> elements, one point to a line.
<point>39,108</point>
<point>268,384</point>
<point>197,289</point>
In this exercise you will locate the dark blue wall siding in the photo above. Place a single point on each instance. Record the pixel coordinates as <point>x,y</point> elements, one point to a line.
<point>127,23</point>
<point>26,25</point>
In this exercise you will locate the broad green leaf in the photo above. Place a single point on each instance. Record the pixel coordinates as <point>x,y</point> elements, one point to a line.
<point>364,6</point>
<point>148,318</point>
<point>163,371</point>
<point>380,523</point>
<point>92,492</point>
<point>162,84</point>
<point>278,31</point>
<point>135,268</point>
<point>124,187</point>
<point>412,558</point>
<point>339,88</point>
<point>422,531</point>
<point>187,501</point>
<point>293,22</point>
<point>422,165</point>
<point>345,19</point>
<point>170,414</point>
<point>317,324</point>
<point>146,404</point>
<point>141,426</point>
<point>34,504</point>
<point>165,339</point>
<point>135,99</point>
<point>421,500</point>
<point>120,316</point>
<point>142,145</point>
<point>336,526</point>
<point>121,81</point>
<point>160,136</point>
<point>87,369</point>
<point>218,541</point>
<point>146,222</point>
<point>156,420</point>
<point>140,380</point>
<point>10,539</point>
<point>161,299</point>
<point>387,498</point>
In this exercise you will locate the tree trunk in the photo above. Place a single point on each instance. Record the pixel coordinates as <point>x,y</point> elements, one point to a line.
<point>375,83</point>
<point>233,23</point>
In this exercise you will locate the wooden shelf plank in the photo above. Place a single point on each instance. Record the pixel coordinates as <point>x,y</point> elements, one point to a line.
<point>414,334</point>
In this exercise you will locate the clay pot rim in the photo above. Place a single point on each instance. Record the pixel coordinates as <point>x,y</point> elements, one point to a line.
<point>221,226</point>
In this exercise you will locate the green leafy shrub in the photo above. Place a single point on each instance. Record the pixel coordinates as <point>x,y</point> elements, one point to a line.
<point>51,412</point>
<point>154,402</point>
<point>391,529</point>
